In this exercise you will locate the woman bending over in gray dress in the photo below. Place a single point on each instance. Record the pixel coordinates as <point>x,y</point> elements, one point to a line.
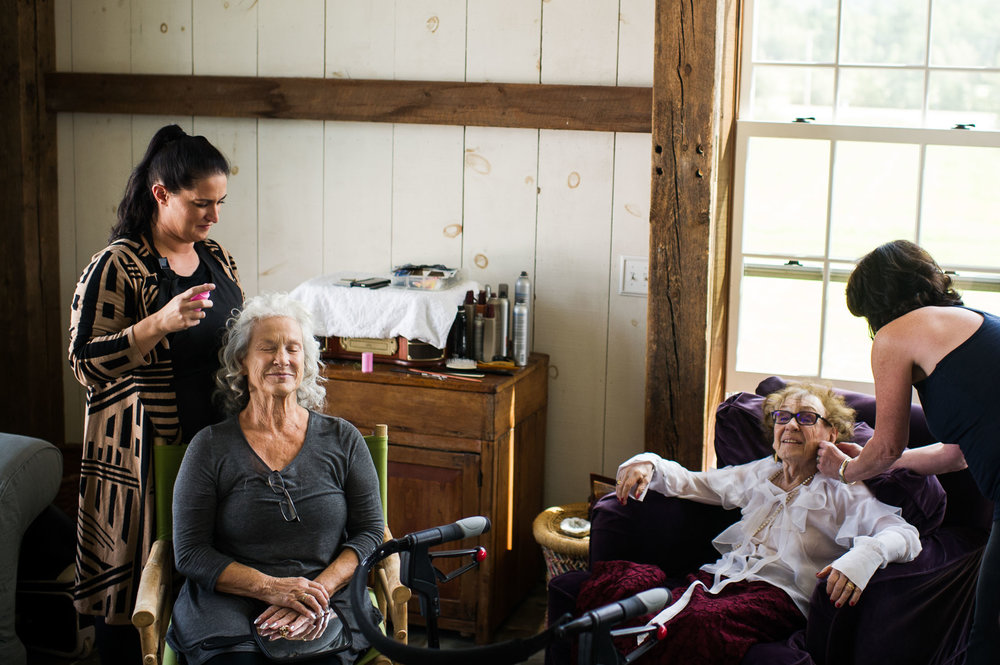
<point>273,507</point>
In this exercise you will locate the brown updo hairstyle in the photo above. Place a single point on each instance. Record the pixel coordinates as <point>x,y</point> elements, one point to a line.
<point>837,413</point>
<point>894,279</point>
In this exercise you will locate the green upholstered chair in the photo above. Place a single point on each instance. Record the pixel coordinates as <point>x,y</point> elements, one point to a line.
<point>154,600</point>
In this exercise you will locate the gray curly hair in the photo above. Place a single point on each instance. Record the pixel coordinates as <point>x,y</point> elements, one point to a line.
<point>232,384</point>
<point>838,413</point>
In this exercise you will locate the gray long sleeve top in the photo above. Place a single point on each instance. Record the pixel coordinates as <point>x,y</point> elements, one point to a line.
<point>225,512</point>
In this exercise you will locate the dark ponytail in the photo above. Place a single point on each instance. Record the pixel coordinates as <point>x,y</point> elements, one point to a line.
<point>172,159</point>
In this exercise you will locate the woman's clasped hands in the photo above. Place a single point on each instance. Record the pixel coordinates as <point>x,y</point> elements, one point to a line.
<point>300,610</point>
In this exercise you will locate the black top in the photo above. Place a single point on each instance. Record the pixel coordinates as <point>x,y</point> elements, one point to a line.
<point>959,403</point>
<point>195,351</point>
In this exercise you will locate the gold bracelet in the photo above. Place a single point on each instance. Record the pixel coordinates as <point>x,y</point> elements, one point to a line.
<point>843,468</point>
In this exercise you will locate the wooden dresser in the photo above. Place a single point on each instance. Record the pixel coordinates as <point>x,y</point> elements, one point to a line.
<point>458,449</point>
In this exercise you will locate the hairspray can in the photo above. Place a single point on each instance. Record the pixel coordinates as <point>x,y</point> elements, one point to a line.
<point>522,294</point>
<point>489,350</point>
<point>477,344</point>
<point>503,320</point>
<point>520,334</point>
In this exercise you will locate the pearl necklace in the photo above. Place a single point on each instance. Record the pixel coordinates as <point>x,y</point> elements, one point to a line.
<point>792,493</point>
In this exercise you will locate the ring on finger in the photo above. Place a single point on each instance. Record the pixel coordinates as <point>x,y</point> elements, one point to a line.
<point>285,631</point>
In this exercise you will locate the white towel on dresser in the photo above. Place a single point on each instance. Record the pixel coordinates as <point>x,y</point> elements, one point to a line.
<point>345,311</point>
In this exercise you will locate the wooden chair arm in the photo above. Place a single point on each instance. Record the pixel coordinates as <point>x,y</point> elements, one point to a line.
<point>152,585</point>
<point>397,595</point>
<point>388,569</point>
<point>152,605</point>
<point>396,607</point>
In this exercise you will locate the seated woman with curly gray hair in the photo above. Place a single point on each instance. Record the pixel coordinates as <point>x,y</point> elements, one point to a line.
<point>796,527</point>
<point>273,507</point>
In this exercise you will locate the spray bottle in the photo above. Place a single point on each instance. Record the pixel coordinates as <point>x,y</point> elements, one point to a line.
<point>522,319</point>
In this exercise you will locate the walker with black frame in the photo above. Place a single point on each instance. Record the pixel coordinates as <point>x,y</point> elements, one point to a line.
<point>593,629</point>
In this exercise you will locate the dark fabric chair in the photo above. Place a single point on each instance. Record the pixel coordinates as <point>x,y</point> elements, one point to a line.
<point>30,472</point>
<point>917,612</point>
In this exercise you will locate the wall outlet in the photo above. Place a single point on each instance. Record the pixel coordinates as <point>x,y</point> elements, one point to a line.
<point>634,276</point>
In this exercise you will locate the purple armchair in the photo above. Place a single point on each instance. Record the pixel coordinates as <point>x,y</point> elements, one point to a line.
<point>917,612</point>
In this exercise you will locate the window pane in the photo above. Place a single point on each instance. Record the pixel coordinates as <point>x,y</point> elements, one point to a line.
<point>887,32</point>
<point>786,196</point>
<point>874,196</point>
<point>965,33</point>
<point>847,346</point>
<point>779,326</point>
<point>785,93</point>
<point>961,205</point>
<point>982,297</point>
<point>795,30</point>
<point>963,97</point>
<point>880,97</point>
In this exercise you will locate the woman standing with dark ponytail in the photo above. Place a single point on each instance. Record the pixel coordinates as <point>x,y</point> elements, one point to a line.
<point>146,326</point>
<point>925,338</point>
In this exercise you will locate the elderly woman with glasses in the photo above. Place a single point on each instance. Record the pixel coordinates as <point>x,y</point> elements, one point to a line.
<point>273,507</point>
<point>796,527</point>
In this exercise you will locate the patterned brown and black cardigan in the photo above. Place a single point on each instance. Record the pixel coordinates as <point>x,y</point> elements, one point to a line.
<point>130,400</point>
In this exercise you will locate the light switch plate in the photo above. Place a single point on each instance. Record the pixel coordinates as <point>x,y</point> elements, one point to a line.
<point>634,276</point>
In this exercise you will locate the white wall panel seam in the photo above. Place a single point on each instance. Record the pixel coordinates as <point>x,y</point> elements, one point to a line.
<point>611,277</point>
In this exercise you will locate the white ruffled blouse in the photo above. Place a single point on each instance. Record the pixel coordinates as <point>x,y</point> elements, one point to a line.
<point>825,523</point>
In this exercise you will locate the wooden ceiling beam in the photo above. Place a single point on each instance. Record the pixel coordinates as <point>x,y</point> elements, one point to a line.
<point>542,106</point>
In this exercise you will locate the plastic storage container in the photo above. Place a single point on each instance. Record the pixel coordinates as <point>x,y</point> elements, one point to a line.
<point>425,279</point>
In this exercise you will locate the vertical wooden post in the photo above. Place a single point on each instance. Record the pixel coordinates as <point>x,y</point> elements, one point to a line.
<point>692,80</point>
<point>30,341</point>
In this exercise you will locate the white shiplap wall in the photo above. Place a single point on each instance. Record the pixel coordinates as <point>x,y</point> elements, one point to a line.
<point>310,197</point>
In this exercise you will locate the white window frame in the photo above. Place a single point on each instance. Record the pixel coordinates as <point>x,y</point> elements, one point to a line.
<point>740,262</point>
<point>747,129</point>
<point>747,63</point>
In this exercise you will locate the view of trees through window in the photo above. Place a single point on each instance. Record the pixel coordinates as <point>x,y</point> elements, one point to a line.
<point>860,122</point>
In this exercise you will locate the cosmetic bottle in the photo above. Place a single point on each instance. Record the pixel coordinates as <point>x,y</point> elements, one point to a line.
<point>503,320</point>
<point>458,338</point>
<point>523,296</point>
<point>477,348</point>
<point>489,335</point>
<point>470,321</point>
<point>520,334</point>
<point>494,302</point>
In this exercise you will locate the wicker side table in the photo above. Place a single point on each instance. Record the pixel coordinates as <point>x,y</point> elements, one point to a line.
<point>563,552</point>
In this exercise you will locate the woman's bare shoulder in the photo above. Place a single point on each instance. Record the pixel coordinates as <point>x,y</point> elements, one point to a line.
<point>927,334</point>
<point>932,320</point>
